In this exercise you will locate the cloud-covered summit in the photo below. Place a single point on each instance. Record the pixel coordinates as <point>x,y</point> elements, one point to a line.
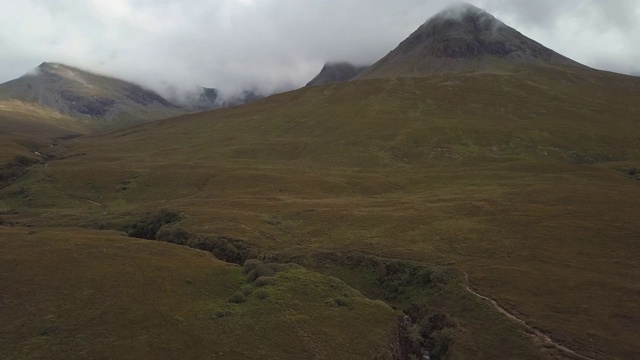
<point>269,45</point>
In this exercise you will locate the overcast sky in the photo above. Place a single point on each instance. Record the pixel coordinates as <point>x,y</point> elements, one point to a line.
<point>274,44</point>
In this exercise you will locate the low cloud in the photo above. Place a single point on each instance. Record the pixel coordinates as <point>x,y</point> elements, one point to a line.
<point>272,45</point>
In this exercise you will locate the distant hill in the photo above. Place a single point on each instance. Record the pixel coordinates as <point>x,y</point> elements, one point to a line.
<point>336,72</point>
<point>99,100</point>
<point>25,127</point>
<point>463,38</point>
<point>105,102</point>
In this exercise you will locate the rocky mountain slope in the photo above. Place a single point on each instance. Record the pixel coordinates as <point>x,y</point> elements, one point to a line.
<point>463,38</point>
<point>336,72</point>
<point>106,102</point>
<point>98,99</point>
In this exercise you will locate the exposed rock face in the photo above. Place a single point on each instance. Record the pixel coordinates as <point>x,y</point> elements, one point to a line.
<point>463,38</point>
<point>77,93</point>
<point>333,73</point>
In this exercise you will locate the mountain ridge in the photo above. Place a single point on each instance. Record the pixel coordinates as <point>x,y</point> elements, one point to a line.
<point>336,72</point>
<point>108,102</point>
<point>97,99</point>
<point>463,38</point>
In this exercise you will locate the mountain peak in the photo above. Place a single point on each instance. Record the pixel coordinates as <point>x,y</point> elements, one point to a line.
<point>84,95</point>
<point>61,70</point>
<point>463,38</point>
<point>460,9</point>
<point>336,72</point>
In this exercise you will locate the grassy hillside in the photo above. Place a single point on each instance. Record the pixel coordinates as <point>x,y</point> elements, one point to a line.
<point>25,127</point>
<point>70,293</point>
<point>525,181</point>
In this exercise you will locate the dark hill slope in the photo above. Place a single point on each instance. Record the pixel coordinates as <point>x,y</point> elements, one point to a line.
<point>337,72</point>
<point>99,100</point>
<point>463,38</point>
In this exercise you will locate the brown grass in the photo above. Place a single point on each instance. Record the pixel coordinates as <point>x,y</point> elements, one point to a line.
<point>511,177</point>
<point>72,293</point>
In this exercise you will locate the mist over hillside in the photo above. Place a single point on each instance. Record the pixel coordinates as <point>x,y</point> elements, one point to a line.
<point>210,44</point>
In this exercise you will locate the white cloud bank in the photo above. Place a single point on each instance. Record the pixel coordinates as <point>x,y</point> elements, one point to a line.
<point>275,44</point>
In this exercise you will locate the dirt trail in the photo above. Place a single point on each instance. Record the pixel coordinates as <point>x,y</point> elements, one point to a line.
<point>105,207</point>
<point>539,335</point>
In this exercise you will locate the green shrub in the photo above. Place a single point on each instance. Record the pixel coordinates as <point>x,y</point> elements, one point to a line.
<point>330,302</point>
<point>148,226</point>
<point>229,250</point>
<point>342,301</point>
<point>222,313</point>
<point>237,298</point>
<point>262,294</point>
<point>246,290</point>
<point>443,340</point>
<point>174,235</point>
<point>260,270</point>
<point>438,276</point>
<point>250,265</point>
<point>265,281</point>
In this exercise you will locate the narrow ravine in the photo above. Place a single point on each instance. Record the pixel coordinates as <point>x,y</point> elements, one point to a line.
<point>539,335</point>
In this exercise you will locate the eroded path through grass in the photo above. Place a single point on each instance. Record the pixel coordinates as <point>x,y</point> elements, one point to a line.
<point>105,207</point>
<point>537,334</point>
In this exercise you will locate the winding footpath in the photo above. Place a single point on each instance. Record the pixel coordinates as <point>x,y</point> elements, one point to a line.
<point>104,207</point>
<point>539,335</point>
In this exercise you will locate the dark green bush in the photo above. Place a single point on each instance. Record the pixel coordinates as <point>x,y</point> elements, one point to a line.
<point>237,298</point>
<point>631,172</point>
<point>148,226</point>
<point>262,294</point>
<point>228,249</point>
<point>174,235</point>
<point>260,270</point>
<point>265,281</point>
<point>246,290</point>
<point>339,301</point>
<point>222,313</point>
<point>342,301</point>
<point>330,302</point>
<point>250,265</point>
